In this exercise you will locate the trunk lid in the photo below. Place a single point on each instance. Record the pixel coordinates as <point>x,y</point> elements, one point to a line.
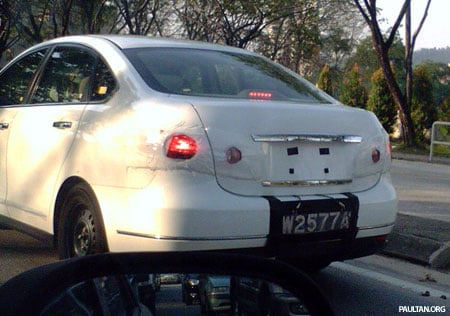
<point>292,149</point>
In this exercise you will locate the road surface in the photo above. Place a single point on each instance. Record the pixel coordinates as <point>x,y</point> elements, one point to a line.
<point>373,285</point>
<point>423,189</point>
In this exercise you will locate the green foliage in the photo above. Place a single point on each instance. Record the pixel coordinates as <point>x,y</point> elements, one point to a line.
<point>439,74</point>
<point>324,82</point>
<point>366,58</point>
<point>381,102</point>
<point>293,37</point>
<point>424,111</point>
<point>353,92</point>
<point>444,110</point>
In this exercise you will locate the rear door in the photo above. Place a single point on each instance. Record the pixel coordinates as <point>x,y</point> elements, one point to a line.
<point>43,132</point>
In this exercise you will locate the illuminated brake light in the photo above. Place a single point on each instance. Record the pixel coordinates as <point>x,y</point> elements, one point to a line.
<point>260,95</point>
<point>181,147</point>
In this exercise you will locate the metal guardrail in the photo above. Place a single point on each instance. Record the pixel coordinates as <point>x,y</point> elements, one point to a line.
<point>438,137</point>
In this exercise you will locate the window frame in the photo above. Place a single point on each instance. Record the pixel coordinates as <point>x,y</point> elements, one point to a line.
<point>33,79</point>
<point>98,59</point>
<point>37,76</point>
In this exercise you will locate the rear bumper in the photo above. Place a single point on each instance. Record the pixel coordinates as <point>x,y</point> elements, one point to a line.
<point>157,219</point>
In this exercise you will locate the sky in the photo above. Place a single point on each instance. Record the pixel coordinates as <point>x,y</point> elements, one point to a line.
<point>435,32</point>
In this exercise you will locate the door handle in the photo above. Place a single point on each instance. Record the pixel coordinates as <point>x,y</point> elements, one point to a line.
<point>4,125</point>
<point>62,124</point>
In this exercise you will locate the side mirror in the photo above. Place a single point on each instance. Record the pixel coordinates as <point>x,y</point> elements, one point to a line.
<point>187,283</point>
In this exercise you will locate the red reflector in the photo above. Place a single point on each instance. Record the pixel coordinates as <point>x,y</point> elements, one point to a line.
<point>260,95</point>
<point>181,147</point>
<point>233,155</point>
<point>376,155</point>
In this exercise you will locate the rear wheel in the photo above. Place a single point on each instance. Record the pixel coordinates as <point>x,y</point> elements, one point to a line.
<point>80,227</point>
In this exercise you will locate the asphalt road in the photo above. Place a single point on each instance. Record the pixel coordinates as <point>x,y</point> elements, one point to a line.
<point>423,188</point>
<point>378,285</point>
<point>367,286</point>
<point>371,286</point>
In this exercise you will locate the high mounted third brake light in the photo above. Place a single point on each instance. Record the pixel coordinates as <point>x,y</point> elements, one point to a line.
<point>260,95</point>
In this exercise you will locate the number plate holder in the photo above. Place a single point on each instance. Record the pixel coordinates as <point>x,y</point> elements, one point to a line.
<point>323,219</point>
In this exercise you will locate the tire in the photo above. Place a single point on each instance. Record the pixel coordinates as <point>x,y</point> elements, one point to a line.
<point>80,227</point>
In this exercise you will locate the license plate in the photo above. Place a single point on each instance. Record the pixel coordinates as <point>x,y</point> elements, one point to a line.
<point>315,222</point>
<point>313,216</point>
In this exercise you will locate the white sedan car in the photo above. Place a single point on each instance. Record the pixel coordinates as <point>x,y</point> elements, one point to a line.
<point>121,143</point>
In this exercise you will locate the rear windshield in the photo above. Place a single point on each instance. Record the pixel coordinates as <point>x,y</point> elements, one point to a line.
<point>210,73</point>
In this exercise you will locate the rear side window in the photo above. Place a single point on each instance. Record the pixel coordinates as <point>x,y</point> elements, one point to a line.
<point>14,82</point>
<point>219,74</point>
<point>66,77</point>
<point>103,83</point>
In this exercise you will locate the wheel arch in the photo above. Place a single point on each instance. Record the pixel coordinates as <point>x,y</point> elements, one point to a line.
<point>67,185</point>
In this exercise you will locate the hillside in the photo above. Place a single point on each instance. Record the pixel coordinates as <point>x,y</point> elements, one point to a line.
<point>441,55</point>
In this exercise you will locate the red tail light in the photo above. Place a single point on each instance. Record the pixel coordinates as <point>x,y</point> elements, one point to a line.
<point>261,95</point>
<point>181,146</point>
<point>389,148</point>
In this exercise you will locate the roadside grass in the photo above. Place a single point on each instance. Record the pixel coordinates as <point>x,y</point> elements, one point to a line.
<point>422,149</point>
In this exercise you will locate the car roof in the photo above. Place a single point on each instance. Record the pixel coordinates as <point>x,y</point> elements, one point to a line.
<point>140,41</point>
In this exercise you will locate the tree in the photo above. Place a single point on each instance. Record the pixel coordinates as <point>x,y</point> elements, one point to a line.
<point>95,15</point>
<point>336,45</point>
<point>353,92</point>
<point>424,111</point>
<point>439,74</point>
<point>244,20</point>
<point>381,101</point>
<point>444,110</point>
<point>324,82</point>
<point>366,58</point>
<point>197,20</point>
<point>234,23</point>
<point>140,17</point>
<point>368,10</point>
<point>41,20</point>
<point>7,21</point>
<point>33,23</point>
<point>293,40</point>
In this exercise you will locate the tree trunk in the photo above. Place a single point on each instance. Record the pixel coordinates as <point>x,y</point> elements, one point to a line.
<point>404,110</point>
<point>382,45</point>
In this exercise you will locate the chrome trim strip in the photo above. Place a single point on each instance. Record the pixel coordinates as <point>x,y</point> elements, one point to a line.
<point>376,227</point>
<point>306,183</point>
<point>308,138</point>
<point>158,237</point>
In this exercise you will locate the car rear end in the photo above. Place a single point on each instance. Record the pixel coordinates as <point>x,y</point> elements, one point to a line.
<point>218,294</point>
<point>240,153</point>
